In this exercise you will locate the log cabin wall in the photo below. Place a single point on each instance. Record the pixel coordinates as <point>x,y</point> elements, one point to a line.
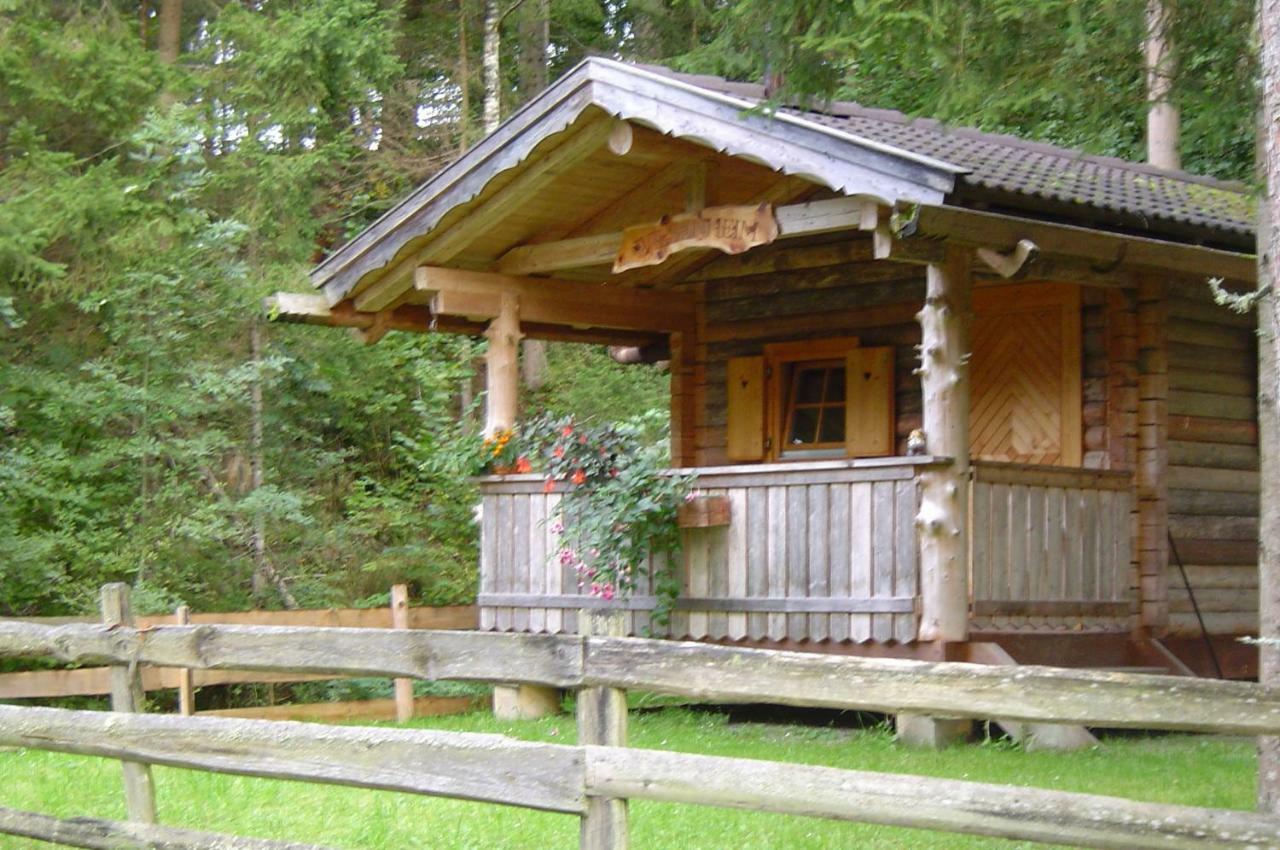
<point>875,301</point>
<point>1213,462</point>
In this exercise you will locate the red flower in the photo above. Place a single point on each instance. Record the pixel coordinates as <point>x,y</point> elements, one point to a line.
<point>558,451</point>
<point>523,465</point>
<point>579,477</point>
<point>566,431</point>
<point>549,485</point>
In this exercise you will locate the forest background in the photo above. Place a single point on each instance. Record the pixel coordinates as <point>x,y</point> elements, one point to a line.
<point>166,163</point>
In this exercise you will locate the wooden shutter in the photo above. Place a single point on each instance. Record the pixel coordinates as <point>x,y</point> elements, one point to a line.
<point>746,395</point>
<point>869,402</point>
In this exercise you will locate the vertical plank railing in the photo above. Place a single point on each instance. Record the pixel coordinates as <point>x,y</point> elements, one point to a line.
<point>816,551</point>
<point>1050,547</point>
<point>602,721</point>
<point>400,620</point>
<point>186,677</point>
<point>127,696</point>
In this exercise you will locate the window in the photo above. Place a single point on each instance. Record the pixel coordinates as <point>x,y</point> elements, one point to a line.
<point>808,400</point>
<point>814,412</point>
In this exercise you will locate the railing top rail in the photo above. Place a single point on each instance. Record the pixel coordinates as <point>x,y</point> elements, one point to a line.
<point>1070,477</point>
<point>813,471</point>
<point>703,671</point>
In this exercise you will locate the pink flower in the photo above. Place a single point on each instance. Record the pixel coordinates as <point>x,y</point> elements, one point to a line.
<point>691,496</point>
<point>566,557</point>
<point>607,591</point>
<point>557,527</point>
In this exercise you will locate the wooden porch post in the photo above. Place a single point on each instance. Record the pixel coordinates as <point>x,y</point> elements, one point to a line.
<point>942,524</point>
<point>502,367</point>
<point>502,374</point>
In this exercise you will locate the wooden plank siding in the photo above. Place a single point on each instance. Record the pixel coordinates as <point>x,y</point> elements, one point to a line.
<point>822,551</point>
<point>1212,463</point>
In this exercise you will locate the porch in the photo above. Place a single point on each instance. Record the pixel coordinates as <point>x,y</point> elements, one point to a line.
<point>827,552</point>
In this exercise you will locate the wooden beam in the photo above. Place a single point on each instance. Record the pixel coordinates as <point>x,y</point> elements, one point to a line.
<point>127,696</point>
<point>1107,251</point>
<point>1011,263</point>
<point>602,248</point>
<point>466,293</point>
<point>570,253</point>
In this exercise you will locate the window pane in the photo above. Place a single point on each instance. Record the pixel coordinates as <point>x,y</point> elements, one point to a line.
<point>835,384</point>
<point>809,386</point>
<point>804,426</point>
<point>832,430</point>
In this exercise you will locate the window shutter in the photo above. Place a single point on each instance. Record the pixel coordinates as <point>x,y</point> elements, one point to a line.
<point>745,416</point>
<point>869,427</point>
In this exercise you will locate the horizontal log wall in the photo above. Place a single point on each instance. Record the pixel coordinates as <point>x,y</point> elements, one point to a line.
<point>1051,549</point>
<point>822,551</point>
<point>1213,463</point>
<point>769,301</point>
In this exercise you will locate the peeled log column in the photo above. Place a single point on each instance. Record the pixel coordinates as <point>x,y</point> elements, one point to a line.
<point>941,524</point>
<point>502,367</point>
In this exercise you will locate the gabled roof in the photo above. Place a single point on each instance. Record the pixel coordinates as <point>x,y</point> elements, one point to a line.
<point>786,143</point>
<point>850,149</point>
<point>1002,165</point>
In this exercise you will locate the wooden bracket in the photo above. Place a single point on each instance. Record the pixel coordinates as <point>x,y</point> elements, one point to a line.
<point>1013,263</point>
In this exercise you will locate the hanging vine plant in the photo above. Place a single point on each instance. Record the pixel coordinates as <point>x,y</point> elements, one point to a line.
<point>618,516</point>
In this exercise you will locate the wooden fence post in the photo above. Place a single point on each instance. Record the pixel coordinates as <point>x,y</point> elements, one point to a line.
<point>400,620</point>
<point>602,721</point>
<point>186,680</point>
<point>127,696</point>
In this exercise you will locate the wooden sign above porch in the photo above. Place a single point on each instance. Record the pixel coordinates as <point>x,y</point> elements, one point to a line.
<point>730,229</point>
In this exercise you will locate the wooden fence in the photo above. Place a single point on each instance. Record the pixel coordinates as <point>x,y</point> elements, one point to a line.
<point>594,778</point>
<point>95,681</point>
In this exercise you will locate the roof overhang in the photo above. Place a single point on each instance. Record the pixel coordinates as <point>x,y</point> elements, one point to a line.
<point>786,144</point>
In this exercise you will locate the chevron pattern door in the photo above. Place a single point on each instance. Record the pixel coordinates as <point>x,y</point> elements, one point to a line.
<point>1025,374</point>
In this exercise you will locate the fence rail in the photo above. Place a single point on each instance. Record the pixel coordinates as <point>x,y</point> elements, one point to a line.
<point>592,778</point>
<point>93,681</point>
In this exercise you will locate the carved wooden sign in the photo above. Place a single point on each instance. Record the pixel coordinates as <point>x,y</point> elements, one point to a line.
<point>730,229</point>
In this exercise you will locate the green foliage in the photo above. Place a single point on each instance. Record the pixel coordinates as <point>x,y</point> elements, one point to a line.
<point>584,382</point>
<point>1067,71</point>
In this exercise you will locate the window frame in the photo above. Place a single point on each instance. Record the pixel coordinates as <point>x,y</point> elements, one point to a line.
<point>779,358</point>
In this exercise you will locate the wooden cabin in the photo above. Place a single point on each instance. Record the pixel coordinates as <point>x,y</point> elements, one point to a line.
<point>960,392</point>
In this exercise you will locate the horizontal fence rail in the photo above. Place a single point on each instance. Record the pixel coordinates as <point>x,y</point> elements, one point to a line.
<point>718,673</point>
<point>559,777</point>
<point>97,834</point>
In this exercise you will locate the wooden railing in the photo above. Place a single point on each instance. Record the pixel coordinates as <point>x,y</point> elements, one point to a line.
<point>592,778</point>
<point>813,551</point>
<point>1050,548</point>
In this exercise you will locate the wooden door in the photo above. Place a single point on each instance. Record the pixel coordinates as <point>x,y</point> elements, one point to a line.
<point>1025,374</point>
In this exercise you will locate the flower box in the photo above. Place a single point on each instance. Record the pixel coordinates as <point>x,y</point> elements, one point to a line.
<point>703,512</point>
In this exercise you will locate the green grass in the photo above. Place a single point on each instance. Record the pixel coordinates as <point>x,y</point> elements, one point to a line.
<point>1191,770</point>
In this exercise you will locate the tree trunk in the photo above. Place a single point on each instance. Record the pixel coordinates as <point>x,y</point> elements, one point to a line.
<point>464,81</point>
<point>1163,118</point>
<point>492,71</point>
<point>170,38</point>
<point>1268,307</point>
<point>535,35</point>
<point>261,570</point>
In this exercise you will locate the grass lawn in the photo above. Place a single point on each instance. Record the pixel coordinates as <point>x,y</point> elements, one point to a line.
<point>1192,770</point>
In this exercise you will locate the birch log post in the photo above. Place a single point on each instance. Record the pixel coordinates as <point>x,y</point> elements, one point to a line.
<point>502,367</point>
<point>186,679</point>
<point>1268,307</point>
<point>944,380</point>
<point>127,696</point>
<point>602,721</point>
<point>400,620</point>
